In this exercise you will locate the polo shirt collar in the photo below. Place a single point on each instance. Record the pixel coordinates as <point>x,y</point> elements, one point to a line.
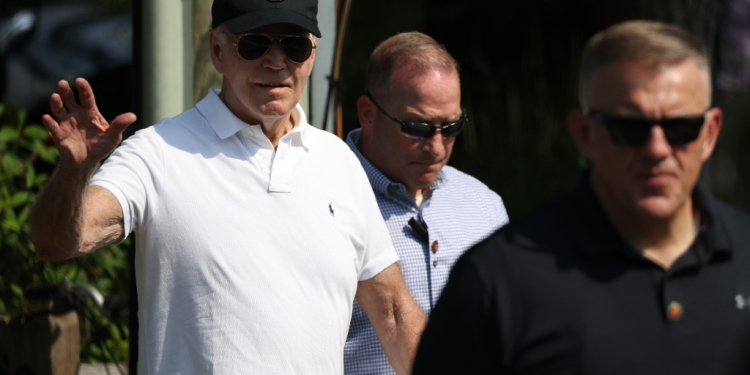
<point>381,184</point>
<point>596,235</point>
<point>226,124</point>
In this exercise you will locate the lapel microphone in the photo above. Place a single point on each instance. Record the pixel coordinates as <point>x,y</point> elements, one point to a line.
<point>420,227</point>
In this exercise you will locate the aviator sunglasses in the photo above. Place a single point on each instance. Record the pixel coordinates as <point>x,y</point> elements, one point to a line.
<point>254,45</point>
<point>422,130</point>
<point>635,131</point>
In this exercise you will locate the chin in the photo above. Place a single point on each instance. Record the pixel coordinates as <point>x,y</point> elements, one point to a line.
<point>427,180</point>
<point>659,207</point>
<point>275,109</point>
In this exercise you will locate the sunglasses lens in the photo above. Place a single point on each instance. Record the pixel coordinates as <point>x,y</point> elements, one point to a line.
<point>626,131</point>
<point>251,47</point>
<point>417,130</point>
<point>297,49</point>
<point>683,130</point>
<point>454,129</point>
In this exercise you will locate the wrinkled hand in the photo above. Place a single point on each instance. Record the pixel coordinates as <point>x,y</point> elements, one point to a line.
<point>82,135</point>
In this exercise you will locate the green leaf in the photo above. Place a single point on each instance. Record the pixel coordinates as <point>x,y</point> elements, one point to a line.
<point>17,291</point>
<point>30,176</point>
<point>40,179</point>
<point>11,164</point>
<point>21,118</point>
<point>8,134</point>
<point>19,198</point>
<point>10,221</point>
<point>23,216</point>
<point>50,155</point>
<point>35,132</point>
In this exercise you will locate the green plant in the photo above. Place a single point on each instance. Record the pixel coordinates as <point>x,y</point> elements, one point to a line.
<point>27,156</point>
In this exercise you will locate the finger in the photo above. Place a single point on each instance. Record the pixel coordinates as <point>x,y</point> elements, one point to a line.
<point>56,106</point>
<point>85,93</point>
<point>51,125</point>
<point>66,94</point>
<point>120,123</point>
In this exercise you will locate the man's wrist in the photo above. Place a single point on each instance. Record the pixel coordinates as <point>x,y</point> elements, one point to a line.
<point>77,172</point>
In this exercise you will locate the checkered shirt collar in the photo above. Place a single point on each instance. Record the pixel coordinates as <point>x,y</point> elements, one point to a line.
<point>380,183</point>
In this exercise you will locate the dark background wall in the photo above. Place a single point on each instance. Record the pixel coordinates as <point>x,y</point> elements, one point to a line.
<point>519,62</point>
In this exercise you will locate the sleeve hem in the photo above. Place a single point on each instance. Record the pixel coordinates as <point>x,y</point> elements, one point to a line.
<point>127,216</point>
<point>377,265</point>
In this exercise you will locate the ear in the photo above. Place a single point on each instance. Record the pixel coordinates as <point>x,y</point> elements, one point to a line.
<point>366,113</point>
<point>312,62</point>
<point>217,54</point>
<point>715,118</point>
<point>580,130</point>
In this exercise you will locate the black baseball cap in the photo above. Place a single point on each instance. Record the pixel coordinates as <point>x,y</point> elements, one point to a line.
<point>243,16</point>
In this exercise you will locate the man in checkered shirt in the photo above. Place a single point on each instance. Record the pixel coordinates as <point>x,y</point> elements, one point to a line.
<point>410,115</point>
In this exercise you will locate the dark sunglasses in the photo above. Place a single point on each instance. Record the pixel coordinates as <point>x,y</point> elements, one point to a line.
<point>422,130</point>
<point>635,131</point>
<point>253,46</point>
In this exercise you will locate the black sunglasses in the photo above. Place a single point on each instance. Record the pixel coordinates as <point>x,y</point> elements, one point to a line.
<point>253,46</point>
<point>422,130</point>
<point>635,131</point>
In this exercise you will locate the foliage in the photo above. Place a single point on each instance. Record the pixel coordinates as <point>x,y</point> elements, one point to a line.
<point>27,155</point>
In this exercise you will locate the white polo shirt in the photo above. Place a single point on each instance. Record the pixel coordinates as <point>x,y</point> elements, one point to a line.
<point>247,258</point>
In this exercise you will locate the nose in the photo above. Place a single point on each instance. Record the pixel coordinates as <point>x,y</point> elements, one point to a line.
<point>274,58</point>
<point>657,146</point>
<point>435,145</point>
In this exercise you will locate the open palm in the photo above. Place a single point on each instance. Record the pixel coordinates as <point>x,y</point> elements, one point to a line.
<point>80,132</point>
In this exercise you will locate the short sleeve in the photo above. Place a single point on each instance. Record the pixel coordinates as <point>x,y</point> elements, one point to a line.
<point>379,252</point>
<point>132,173</point>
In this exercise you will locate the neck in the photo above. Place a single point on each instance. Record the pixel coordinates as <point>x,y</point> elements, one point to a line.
<point>274,127</point>
<point>277,129</point>
<point>662,240</point>
<point>417,192</point>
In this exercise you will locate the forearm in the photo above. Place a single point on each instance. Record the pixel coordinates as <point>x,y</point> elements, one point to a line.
<point>57,218</point>
<point>397,320</point>
<point>400,338</point>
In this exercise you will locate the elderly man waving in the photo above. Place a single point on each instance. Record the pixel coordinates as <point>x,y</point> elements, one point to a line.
<point>254,230</point>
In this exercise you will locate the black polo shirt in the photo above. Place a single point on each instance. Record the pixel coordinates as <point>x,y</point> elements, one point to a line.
<point>560,292</point>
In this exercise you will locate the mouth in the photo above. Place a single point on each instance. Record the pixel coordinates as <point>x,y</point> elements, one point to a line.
<point>429,164</point>
<point>272,85</point>
<point>656,178</point>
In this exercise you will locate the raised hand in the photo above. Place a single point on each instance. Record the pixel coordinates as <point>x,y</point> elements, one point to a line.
<point>82,135</point>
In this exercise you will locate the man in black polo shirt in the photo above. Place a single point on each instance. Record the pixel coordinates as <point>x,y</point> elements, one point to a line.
<point>638,270</point>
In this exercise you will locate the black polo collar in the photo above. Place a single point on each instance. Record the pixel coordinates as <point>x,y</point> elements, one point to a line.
<point>595,234</point>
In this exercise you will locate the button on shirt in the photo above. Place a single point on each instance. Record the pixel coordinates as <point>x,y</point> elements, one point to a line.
<point>460,212</point>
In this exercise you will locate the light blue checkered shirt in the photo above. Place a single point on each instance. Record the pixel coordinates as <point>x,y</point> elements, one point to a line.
<point>461,212</point>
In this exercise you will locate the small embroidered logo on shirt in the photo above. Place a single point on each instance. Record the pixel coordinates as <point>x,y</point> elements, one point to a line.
<point>742,301</point>
<point>330,207</point>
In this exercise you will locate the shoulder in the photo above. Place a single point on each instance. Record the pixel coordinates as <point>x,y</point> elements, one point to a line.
<point>732,214</point>
<point>464,190</point>
<point>457,180</point>
<point>330,146</point>
<point>735,220</point>
<point>528,239</point>
<point>324,139</point>
<point>187,124</point>
<point>456,176</point>
<point>178,126</point>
